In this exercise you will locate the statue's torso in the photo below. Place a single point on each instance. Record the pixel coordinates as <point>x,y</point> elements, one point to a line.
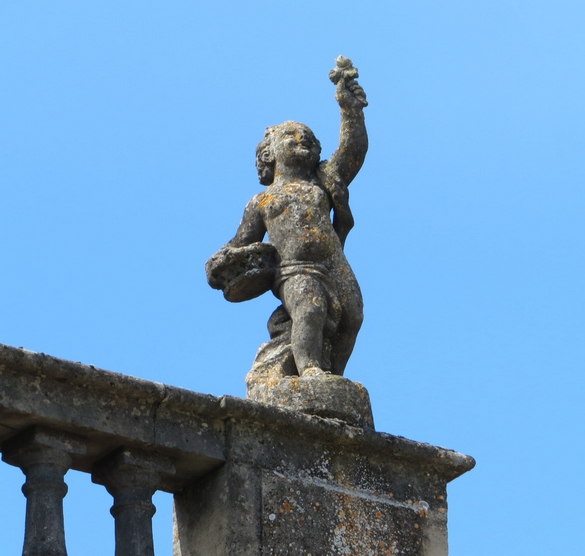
<point>298,221</point>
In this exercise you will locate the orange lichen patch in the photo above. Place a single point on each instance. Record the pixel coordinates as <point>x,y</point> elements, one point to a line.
<point>294,382</point>
<point>267,198</point>
<point>287,506</point>
<point>265,375</point>
<point>272,382</point>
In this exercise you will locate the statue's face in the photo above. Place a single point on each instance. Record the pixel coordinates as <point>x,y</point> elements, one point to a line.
<point>295,143</point>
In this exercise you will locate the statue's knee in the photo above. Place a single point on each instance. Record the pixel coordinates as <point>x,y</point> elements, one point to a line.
<point>315,312</point>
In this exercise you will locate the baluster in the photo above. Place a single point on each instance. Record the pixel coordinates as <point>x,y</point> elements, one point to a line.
<point>44,456</point>
<point>132,477</point>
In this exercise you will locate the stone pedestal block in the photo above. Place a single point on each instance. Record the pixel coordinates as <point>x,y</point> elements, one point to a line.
<point>326,395</point>
<point>306,486</point>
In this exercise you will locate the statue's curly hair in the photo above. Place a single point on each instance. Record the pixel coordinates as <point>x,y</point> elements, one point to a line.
<point>265,155</point>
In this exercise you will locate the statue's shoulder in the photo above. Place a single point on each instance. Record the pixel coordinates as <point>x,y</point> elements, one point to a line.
<point>265,198</point>
<point>255,201</point>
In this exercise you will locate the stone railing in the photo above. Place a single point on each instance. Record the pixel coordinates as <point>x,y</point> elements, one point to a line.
<point>229,462</point>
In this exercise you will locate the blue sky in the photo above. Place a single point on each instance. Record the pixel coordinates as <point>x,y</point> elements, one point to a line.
<point>127,137</point>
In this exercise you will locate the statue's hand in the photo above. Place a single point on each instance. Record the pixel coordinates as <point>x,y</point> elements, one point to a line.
<point>349,93</point>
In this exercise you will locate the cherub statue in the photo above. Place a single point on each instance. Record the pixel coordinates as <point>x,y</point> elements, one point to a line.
<point>314,331</point>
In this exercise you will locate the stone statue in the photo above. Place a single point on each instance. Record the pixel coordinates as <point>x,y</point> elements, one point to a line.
<point>314,331</point>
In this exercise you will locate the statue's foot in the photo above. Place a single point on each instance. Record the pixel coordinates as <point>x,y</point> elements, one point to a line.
<point>314,371</point>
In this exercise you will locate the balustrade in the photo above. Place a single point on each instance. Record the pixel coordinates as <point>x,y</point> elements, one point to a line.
<point>56,415</point>
<point>131,476</point>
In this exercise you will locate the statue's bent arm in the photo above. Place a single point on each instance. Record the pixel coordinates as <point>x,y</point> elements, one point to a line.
<point>251,228</point>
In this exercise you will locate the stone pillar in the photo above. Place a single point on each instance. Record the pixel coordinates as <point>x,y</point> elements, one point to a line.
<point>221,514</point>
<point>298,485</point>
<point>44,456</point>
<point>132,477</point>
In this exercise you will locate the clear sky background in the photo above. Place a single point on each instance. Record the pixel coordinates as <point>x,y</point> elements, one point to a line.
<point>127,138</point>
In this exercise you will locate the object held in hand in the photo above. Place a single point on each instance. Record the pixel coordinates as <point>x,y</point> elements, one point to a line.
<point>345,71</point>
<point>243,273</point>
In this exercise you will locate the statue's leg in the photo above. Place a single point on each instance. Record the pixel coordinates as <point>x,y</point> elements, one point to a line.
<point>304,299</point>
<point>343,340</point>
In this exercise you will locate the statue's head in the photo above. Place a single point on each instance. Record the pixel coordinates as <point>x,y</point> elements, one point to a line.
<point>290,143</point>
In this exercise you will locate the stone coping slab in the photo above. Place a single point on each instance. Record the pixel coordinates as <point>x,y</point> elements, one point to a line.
<point>112,409</point>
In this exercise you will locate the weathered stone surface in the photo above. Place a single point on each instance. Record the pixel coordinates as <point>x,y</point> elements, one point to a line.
<point>301,516</point>
<point>304,265</point>
<point>110,410</point>
<point>325,395</point>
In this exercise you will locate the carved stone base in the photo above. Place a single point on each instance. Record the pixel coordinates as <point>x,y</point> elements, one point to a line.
<point>327,395</point>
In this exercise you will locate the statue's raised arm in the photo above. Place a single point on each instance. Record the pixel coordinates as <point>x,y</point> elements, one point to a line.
<point>353,138</point>
<point>338,172</point>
